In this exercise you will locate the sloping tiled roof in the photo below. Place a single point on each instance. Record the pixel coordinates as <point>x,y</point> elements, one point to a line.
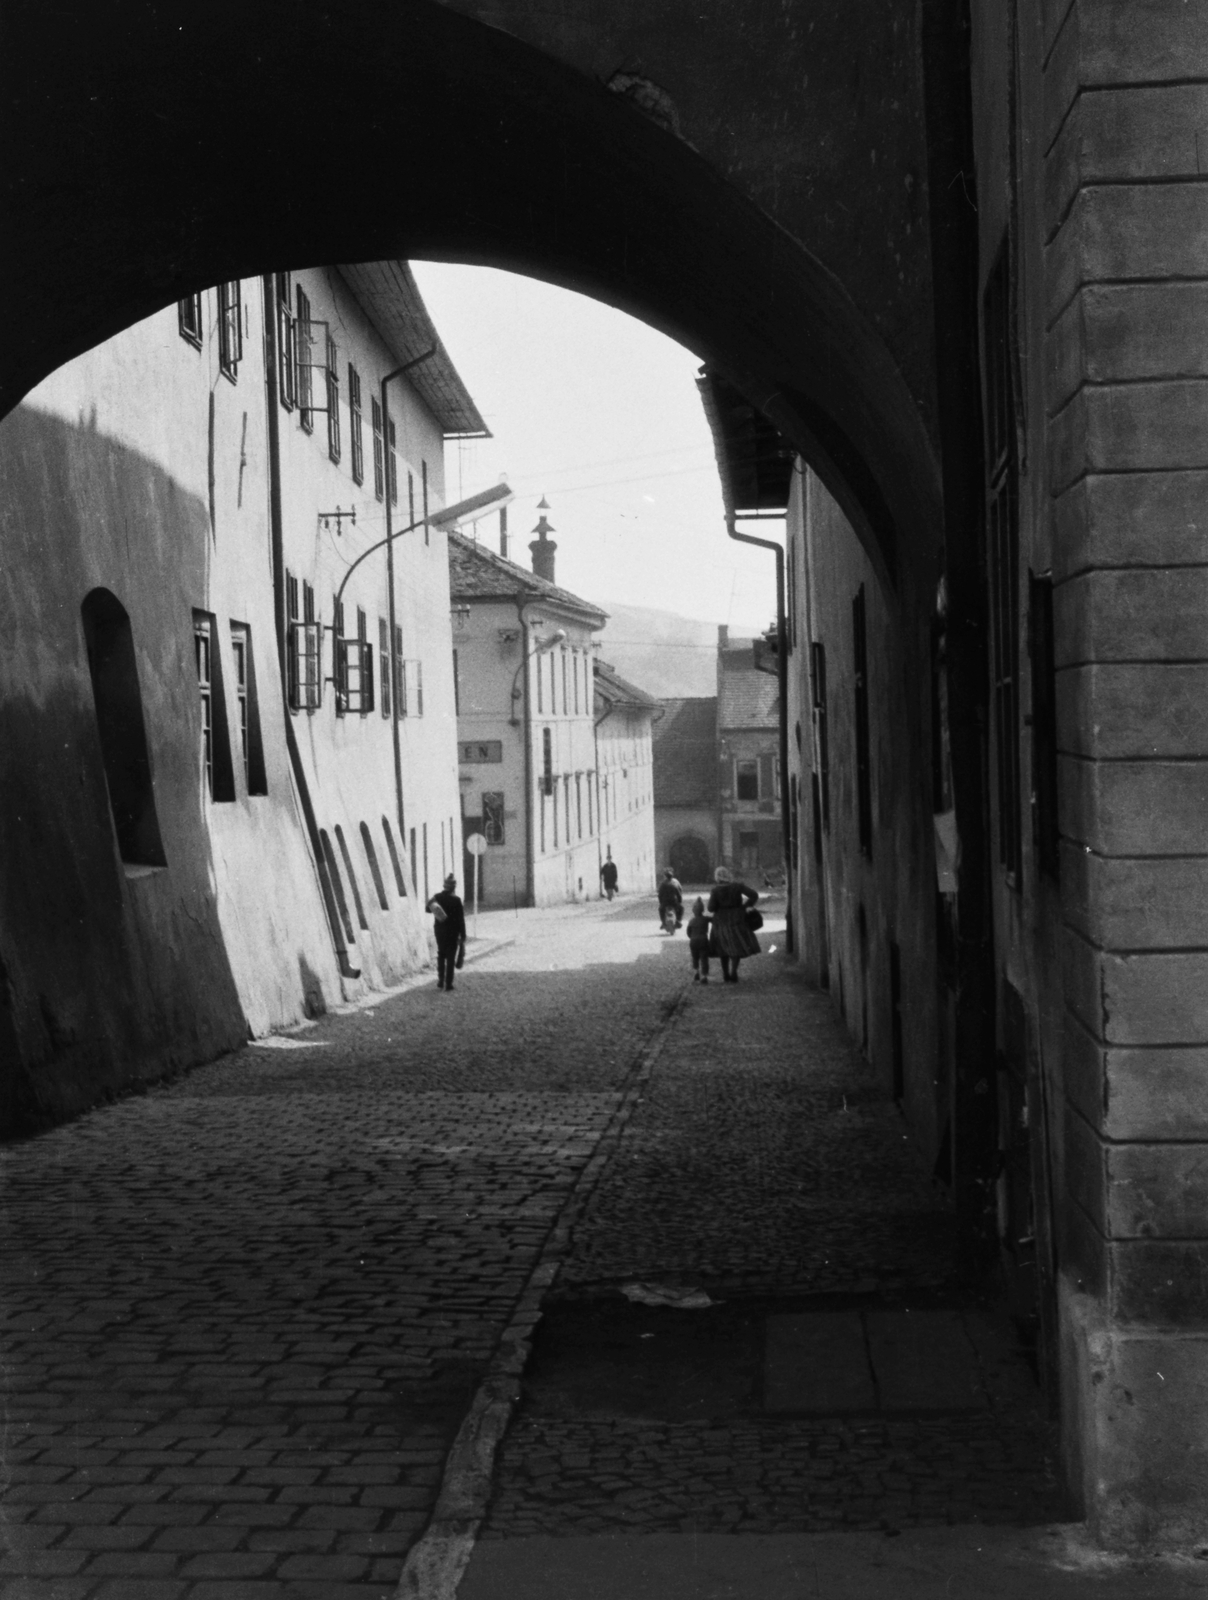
<point>476,573</point>
<point>749,699</point>
<point>617,690</point>
<point>685,753</point>
<point>389,296</point>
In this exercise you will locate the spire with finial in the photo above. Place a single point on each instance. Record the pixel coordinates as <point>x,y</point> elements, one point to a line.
<point>543,546</point>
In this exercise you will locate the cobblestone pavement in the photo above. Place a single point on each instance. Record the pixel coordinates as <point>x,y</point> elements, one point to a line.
<point>244,1314</point>
<point>763,1161</point>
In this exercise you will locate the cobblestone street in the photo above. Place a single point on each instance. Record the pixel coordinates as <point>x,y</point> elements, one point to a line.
<point>246,1313</point>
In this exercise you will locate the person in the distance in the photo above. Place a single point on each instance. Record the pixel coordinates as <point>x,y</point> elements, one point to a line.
<point>450,931</point>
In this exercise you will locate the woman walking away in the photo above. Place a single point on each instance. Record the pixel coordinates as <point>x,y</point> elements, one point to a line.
<point>732,938</point>
<point>698,942</point>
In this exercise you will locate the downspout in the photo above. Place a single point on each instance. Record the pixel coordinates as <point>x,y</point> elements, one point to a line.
<point>782,678</point>
<point>347,970</point>
<point>595,739</point>
<point>530,806</point>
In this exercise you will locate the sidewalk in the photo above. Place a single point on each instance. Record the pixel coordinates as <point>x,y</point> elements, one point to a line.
<point>967,1563</point>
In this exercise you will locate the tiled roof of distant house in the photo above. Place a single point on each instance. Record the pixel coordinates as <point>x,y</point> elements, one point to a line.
<point>619,691</point>
<point>749,699</point>
<point>476,573</point>
<point>685,753</point>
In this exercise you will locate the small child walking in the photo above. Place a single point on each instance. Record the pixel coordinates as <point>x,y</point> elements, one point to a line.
<point>698,942</point>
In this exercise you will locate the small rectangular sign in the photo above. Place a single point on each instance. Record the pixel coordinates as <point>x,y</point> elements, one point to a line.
<point>473,752</point>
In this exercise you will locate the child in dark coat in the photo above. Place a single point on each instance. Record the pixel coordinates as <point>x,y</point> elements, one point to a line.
<point>698,942</point>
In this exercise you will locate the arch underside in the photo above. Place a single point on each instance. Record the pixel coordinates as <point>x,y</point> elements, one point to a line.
<point>419,133</point>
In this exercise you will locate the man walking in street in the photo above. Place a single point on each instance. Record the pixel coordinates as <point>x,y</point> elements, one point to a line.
<point>450,930</point>
<point>608,875</point>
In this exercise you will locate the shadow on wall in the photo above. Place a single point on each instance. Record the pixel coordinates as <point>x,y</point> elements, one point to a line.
<point>114,971</point>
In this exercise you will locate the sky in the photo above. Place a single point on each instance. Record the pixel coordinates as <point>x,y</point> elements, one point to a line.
<point>600,414</point>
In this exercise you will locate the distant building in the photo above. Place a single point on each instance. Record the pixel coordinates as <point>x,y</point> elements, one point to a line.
<point>625,773</point>
<point>748,753</point>
<point>687,799</point>
<point>555,763</point>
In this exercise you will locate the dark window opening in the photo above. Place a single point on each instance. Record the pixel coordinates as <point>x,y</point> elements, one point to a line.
<point>285,342</point>
<point>423,467</point>
<point>302,340</point>
<point>400,674</point>
<point>863,762</point>
<point>379,460</point>
<point>355,421</point>
<point>332,379</point>
<point>386,673</point>
<point>1002,532</point>
<point>818,687</point>
<point>230,329</point>
<point>304,649</point>
<point>392,463</point>
<point>248,702</point>
<point>188,312</point>
<point>746,780</point>
<point>547,761</point>
<point>218,771</point>
<point>113,668</point>
<point>1045,822</point>
<point>375,872</point>
<point>456,687</point>
<point>354,667</point>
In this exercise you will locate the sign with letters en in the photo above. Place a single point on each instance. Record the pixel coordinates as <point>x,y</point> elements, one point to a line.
<point>474,752</point>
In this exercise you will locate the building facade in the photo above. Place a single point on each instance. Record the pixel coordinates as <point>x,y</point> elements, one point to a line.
<point>624,718</point>
<point>748,753</point>
<point>554,747</point>
<point>186,499</point>
<point>687,797</point>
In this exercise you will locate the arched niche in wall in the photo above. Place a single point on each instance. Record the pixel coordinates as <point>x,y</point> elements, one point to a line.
<point>117,698</point>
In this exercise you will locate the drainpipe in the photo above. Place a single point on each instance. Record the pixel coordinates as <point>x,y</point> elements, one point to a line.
<point>782,678</point>
<point>347,970</point>
<point>530,804</point>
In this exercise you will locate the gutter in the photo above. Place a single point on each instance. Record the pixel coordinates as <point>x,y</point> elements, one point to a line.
<point>347,970</point>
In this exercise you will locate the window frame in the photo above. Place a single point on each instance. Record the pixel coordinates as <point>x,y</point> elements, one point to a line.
<point>355,425</point>
<point>230,328</point>
<point>332,380</point>
<point>286,352</point>
<point>189,319</point>
<point>379,447</point>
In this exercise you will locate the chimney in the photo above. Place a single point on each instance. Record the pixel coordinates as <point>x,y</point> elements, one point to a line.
<point>723,636</point>
<point>543,546</point>
<point>503,532</point>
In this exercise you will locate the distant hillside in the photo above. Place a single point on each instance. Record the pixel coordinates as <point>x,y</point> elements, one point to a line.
<point>667,655</point>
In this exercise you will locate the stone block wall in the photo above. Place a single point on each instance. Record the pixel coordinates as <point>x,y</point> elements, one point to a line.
<point>1125,205</point>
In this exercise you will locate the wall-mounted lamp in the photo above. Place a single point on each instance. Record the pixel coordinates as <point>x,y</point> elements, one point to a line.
<point>557,637</point>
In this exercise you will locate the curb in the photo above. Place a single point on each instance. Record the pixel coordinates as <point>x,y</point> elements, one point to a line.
<point>436,1562</point>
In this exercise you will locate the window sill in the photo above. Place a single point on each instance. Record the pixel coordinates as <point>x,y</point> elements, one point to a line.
<point>138,869</point>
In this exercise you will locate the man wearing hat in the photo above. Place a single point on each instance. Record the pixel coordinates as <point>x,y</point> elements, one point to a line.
<point>450,930</point>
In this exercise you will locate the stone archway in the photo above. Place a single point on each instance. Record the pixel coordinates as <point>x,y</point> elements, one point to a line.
<point>690,859</point>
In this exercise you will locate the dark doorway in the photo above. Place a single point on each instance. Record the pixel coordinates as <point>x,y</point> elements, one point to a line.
<point>690,859</point>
